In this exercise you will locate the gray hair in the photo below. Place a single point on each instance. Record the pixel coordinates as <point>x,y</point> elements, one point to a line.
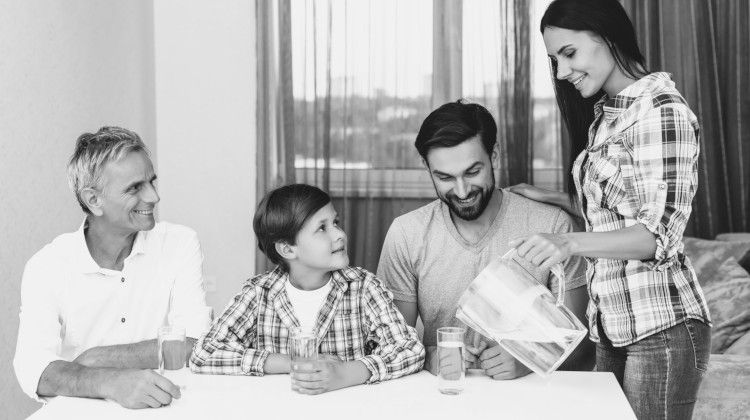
<point>93,152</point>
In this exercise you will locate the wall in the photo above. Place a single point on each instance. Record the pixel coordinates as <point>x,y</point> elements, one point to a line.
<point>205,107</point>
<point>181,74</point>
<point>65,67</point>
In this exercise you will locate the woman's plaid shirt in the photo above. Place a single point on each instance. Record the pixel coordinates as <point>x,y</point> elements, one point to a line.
<point>358,321</point>
<point>645,170</point>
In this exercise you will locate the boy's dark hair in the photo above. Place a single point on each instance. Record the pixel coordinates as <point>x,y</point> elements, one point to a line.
<point>282,213</point>
<point>454,123</point>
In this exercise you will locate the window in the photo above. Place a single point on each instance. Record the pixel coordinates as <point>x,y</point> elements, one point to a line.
<point>363,83</point>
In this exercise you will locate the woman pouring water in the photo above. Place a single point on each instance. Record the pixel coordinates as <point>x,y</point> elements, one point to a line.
<point>635,148</point>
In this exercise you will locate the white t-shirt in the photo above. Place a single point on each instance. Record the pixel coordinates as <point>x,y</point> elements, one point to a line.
<point>69,304</point>
<point>307,303</point>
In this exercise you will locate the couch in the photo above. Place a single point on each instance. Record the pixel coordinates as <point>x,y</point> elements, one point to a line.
<point>723,270</point>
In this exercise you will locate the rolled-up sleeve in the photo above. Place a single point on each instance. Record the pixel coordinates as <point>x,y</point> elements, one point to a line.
<point>39,328</point>
<point>227,348</point>
<point>188,304</point>
<point>399,351</point>
<point>665,167</point>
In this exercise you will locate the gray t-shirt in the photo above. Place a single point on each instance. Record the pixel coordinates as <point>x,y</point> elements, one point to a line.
<point>426,260</point>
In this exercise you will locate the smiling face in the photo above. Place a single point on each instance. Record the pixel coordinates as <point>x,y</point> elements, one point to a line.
<point>585,60</point>
<point>126,199</point>
<point>320,244</point>
<point>463,177</point>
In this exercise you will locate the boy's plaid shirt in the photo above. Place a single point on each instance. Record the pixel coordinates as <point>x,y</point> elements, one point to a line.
<point>358,321</point>
<point>644,171</point>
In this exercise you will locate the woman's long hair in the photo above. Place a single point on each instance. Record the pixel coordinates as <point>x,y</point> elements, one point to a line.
<point>608,20</point>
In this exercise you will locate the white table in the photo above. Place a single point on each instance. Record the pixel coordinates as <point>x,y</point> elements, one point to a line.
<point>564,395</point>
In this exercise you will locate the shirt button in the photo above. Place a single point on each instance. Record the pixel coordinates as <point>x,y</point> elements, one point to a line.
<point>122,320</point>
<point>662,186</point>
<point>122,280</point>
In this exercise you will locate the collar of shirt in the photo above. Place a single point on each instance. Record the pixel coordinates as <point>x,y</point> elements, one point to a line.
<point>617,113</point>
<point>276,281</point>
<point>85,261</point>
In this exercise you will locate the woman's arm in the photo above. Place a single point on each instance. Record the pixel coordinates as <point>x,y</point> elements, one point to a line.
<point>556,198</point>
<point>547,249</point>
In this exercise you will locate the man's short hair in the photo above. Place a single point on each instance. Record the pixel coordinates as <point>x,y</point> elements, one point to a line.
<point>454,123</point>
<point>281,215</point>
<point>93,152</point>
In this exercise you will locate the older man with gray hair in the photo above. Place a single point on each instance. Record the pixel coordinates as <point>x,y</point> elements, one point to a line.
<point>92,300</point>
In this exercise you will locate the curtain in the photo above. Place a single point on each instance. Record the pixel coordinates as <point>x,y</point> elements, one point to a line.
<point>705,44</point>
<point>343,87</point>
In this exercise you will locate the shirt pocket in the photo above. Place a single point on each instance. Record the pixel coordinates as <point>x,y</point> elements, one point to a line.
<point>347,338</point>
<point>606,177</point>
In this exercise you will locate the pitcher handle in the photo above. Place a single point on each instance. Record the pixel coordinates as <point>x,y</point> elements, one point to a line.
<point>557,271</point>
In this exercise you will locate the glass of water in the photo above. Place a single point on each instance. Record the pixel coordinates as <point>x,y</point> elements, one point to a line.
<point>172,352</point>
<point>451,368</point>
<point>304,348</point>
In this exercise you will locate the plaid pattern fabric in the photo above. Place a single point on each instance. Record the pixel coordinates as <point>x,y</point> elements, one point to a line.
<point>358,321</point>
<point>642,168</point>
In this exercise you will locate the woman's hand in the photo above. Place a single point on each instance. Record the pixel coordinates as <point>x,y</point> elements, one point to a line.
<point>532,192</point>
<point>544,249</point>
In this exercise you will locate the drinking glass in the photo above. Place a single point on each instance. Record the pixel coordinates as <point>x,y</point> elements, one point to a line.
<point>451,368</point>
<point>304,347</point>
<point>171,348</point>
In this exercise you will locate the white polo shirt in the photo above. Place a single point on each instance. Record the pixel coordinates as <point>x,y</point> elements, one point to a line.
<point>69,304</point>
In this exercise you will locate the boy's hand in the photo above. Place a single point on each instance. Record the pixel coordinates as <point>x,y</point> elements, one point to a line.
<point>317,377</point>
<point>327,374</point>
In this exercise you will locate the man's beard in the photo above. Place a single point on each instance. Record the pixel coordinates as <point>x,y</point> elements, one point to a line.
<point>470,212</point>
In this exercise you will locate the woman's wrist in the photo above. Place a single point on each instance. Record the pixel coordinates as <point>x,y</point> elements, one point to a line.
<point>572,240</point>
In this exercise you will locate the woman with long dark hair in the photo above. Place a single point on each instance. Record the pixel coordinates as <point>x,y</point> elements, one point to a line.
<point>635,149</point>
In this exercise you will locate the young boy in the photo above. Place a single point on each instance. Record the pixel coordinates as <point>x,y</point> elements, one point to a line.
<point>362,336</point>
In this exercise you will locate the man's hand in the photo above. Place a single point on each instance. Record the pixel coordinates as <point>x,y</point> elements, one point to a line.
<point>499,364</point>
<point>140,389</point>
<point>88,358</point>
<point>471,354</point>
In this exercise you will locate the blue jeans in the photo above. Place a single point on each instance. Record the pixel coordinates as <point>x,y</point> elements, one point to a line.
<point>661,373</point>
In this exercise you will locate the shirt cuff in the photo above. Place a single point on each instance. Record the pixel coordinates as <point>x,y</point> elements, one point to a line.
<point>377,368</point>
<point>253,361</point>
<point>404,296</point>
<point>650,215</point>
<point>29,380</point>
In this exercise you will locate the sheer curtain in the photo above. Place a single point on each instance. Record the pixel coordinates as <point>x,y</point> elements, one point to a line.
<point>705,44</point>
<point>343,87</point>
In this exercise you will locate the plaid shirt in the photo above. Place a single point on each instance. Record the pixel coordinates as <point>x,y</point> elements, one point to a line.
<point>358,321</point>
<point>642,168</point>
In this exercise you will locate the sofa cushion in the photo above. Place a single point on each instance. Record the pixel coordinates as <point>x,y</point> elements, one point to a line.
<point>723,391</point>
<point>741,346</point>
<point>738,237</point>
<point>708,256</point>
<point>728,296</point>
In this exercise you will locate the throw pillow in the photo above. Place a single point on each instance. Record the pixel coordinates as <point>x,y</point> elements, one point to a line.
<point>738,237</point>
<point>707,256</point>
<point>728,298</point>
<point>741,346</point>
